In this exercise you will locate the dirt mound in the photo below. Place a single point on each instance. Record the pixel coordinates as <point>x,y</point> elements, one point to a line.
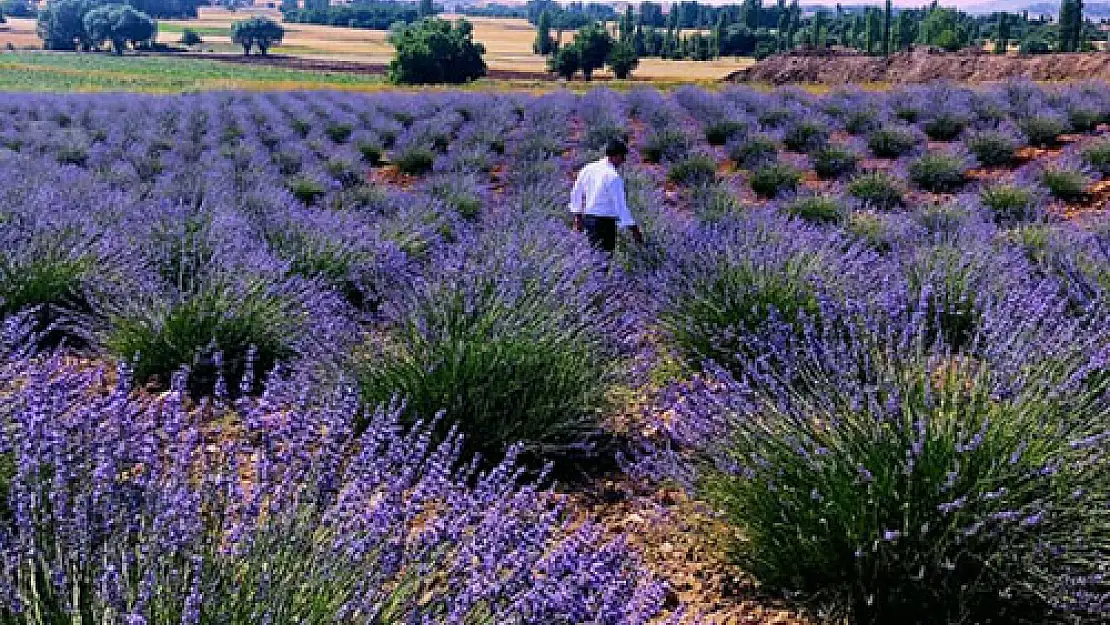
<point>838,66</point>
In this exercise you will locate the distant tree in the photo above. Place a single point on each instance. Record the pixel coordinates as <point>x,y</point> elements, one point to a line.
<point>260,32</point>
<point>719,34</point>
<point>434,51</point>
<point>594,44</point>
<point>427,8</point>
<point>61,24</point>
<point>874,31</point>
<point>1034,44</point>
<point>739,40</point>
<point>1002,37</point>
<point>289,5</point>
<point>907,29</point>
<point>564,62</point>
<point>544,43</point>
<point>119,24</point>
<point>639,41</point>
<point>887,20</point>
<point>18,8</point>
<point>627,25</point>
<point>190,37</point>
<point>750,10</point>
<point>623,59</point>
<point>1070,26</point>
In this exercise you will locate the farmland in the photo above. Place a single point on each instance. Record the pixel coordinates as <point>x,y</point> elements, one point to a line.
<point>508,43</point>
<point>323,356</point>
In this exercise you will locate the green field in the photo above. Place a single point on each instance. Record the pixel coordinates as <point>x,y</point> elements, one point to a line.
<point>203,31</point>
<point>34,71</point>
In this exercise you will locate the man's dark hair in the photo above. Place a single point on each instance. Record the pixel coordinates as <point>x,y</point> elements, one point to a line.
<point>616,147</point>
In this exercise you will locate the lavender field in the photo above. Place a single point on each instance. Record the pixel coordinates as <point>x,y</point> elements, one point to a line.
<point>336,358</point>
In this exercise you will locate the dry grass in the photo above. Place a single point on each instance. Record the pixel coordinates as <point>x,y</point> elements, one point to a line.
<point>508,44</point>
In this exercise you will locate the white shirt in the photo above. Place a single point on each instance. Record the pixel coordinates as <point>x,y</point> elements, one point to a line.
<point>599,191</point>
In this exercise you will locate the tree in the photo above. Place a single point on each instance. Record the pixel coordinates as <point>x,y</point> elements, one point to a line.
<point>887,19</point>
<point>120,24</point>
<point>427,8</point>
<point>1066,26</point>
<point>874,30</point>
<point>190,37</point>
<point>750,10</point>
<point>719,35</point>
<point>594,44</point>
<point>260,32</point>
<point>61,24</point>
<point>623,59</point>
<point>906,28</point>
<point>628,25</point>
<point>544,43</point>
<point>1002,37</point>
<point>564,62</point>
<point>434,51</point>
<point>1071,25</point>
<point>18,8</point>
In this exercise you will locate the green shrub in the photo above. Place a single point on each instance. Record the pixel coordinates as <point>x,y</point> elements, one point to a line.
<point>871,228</point>
<point>772,179</point>
<point>834,161</point>
<point>459,198</point>
<point>1043,130</point>
<point>695,169</point>
<point>248,329</point>
<point>945,126</point>
<point>1065,182</point>
<point>49,282</point>
<point>190,37</point>
<point>415,161</point>
<point>1084,118</point>
<point>819,209</point>
<point>1097,157</point>
<point>344,172</point>
<point>928,502</point>
<point>306,190</point>
<point>775,117</point>
<point>861,121</point>
<point>877,189</point>
<point>72,155</point>
<point>892,141</point>
<point>806,135</point>
<point>371,152</point>
<point>713,202</point>
<point>669,144</point>
<point>339,133</point>
<point>717,310</point>
<point>1010,203</point>
<point>753,151</point>
<point>992,148</point>
<point>720,132</point>
<point>939,172</point>
<point>521,364</point>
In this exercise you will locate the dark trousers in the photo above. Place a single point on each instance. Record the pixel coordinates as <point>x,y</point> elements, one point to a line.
<point>602,231</point>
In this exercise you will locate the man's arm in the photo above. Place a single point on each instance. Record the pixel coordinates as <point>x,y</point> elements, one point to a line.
<point>623,214</point>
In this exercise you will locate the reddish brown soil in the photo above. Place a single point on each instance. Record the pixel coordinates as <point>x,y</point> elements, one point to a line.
<point>838,66</point>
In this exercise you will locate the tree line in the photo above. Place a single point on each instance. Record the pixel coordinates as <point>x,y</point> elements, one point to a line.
<point>370,14</point>
<point>694,31</point>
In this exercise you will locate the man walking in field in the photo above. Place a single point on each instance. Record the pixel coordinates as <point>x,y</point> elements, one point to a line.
<point>598,202</point>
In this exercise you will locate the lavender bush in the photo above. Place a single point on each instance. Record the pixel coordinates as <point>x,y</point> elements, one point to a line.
<point>120,508</point>
<point>886,480</point>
